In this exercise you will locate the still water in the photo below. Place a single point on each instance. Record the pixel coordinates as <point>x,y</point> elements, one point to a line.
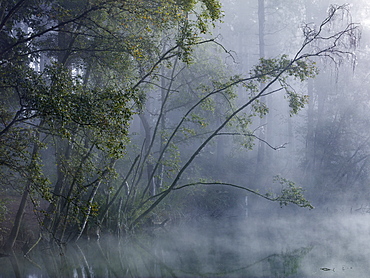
<point>311,244</point>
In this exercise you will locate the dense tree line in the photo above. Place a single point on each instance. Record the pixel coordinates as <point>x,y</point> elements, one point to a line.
<point>74,75</point>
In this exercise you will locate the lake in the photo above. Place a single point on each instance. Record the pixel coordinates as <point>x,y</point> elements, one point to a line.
<point>304,244</point>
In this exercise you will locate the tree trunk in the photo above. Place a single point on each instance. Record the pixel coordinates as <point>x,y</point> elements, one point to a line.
<point>261,40</point>
<point>9,244</point>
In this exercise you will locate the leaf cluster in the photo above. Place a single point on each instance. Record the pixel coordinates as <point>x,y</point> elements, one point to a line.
<point>291,193</point>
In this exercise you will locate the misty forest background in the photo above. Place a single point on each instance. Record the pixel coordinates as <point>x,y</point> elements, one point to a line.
<point>117,117</point>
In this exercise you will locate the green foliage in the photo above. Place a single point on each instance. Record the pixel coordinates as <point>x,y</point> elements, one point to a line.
<point>4,203</point>
<point>73,72</point>
<point>282,69</point>
<point>290,193</point>
<point>296,101</point>
<point>301,69</point>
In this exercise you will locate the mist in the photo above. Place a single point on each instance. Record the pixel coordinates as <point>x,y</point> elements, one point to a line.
<point>184,139</point>
<point>319,245</point>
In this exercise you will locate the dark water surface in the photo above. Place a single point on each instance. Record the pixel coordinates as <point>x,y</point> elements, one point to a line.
<point>311,245</point>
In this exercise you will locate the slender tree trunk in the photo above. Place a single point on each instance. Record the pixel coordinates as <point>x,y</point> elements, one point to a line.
<point>261,39</point>
<point>159,179</point>
<point>54,210</point>
<point>261,147</point>
<point>149,165</point>
<point>310,137</point>
<point>9,244</point>
<point>18,220</point>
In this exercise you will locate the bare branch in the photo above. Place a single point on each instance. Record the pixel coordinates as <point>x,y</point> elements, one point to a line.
<point>254,136</point>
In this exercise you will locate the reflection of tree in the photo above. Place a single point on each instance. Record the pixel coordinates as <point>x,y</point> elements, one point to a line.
<point>161,255</point>
<point>281,265</point>
<point>287,263</point>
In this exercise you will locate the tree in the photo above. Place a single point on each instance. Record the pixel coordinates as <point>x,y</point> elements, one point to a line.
<point>81,108</point>
<point>326,141</point>
<point>270,71</point>
<point>71,74</point>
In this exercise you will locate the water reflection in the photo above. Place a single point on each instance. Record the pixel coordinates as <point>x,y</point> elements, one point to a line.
<point>261,247</point>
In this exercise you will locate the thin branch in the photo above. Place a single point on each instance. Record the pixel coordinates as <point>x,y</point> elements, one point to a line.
<point>255,136</point>
<point>13,121</point>
<point>207,140</point>
<point>123,184</point>
<point>11,12</point>
<point>267,197</point>
<point>53,28</point>
<point>161,114</point>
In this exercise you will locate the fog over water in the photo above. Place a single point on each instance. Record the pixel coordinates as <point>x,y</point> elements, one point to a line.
<point>311,244</point>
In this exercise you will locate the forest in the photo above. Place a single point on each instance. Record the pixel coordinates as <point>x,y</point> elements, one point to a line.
<point>183,138</point>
